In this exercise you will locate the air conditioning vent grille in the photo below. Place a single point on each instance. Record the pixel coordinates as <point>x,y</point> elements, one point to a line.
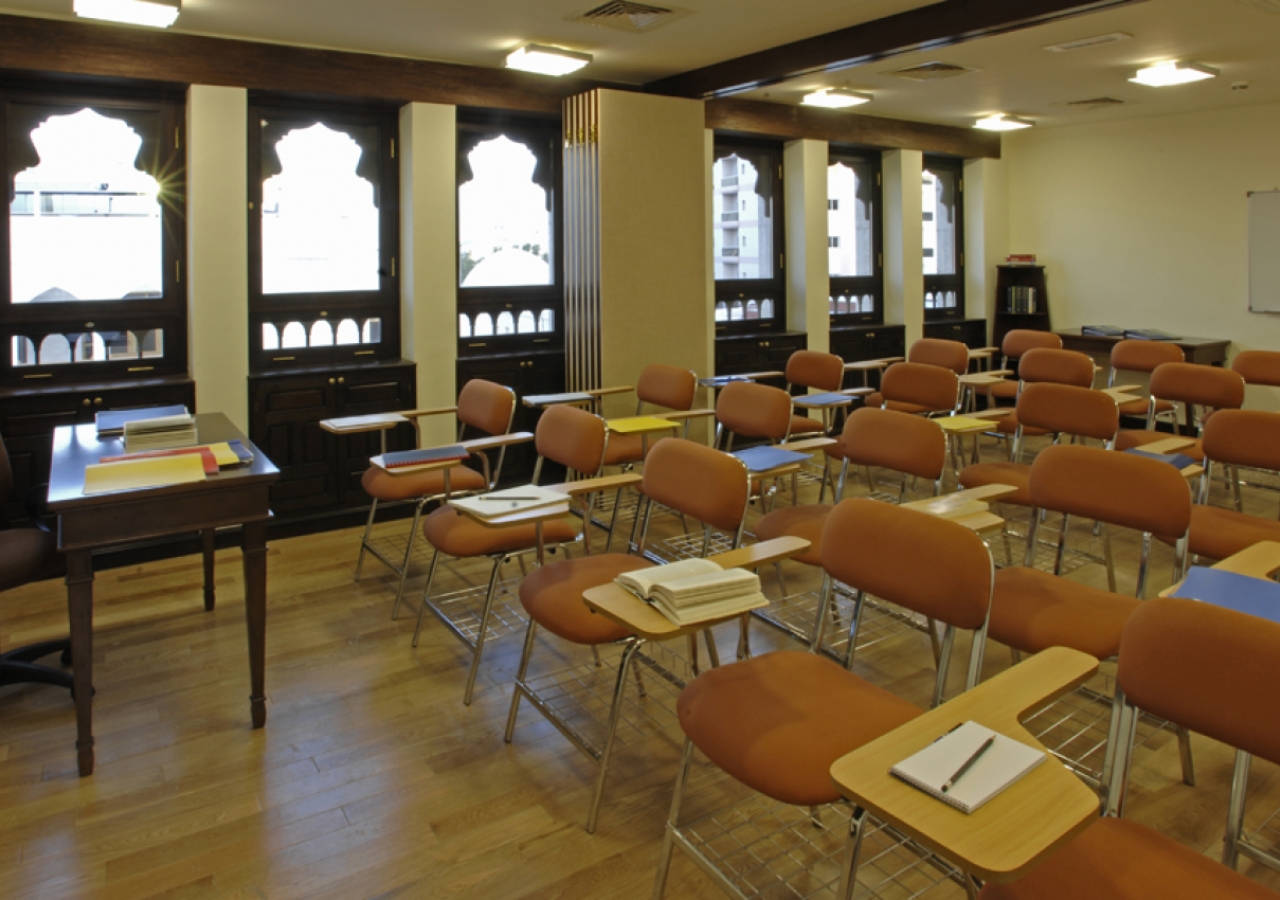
<point>931,71</point>
<point>625,15</point>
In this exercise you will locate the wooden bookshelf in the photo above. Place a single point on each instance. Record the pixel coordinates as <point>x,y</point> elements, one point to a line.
<point>1022,301</point>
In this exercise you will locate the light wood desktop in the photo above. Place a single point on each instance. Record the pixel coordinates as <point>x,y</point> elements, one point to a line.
<point>1019,827</point>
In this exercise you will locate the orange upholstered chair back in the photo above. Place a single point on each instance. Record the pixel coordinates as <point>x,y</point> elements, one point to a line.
<point>1059,366</point>
<point>754,410</point>
<point>932,387</point>
<point>1207,668</point>
<point>924,563</point>
<point>1199,385</point>
<point>572,437</point>
<point>1068,409</point>
<point>486,406</point>
<point>698,481</point>
<point>1243,437</point>
<point>1144,356</point>
<point>951,355</point>
<point>1018,341</point>
<point>809,368</point>
<point>670,387</point>
<point>895,440</point>
<point>1258,366</point>
<point>1122,488</point>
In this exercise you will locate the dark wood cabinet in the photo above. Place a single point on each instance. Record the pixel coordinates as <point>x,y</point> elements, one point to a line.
<point>970,332</point>
<point>532,372</point>
<point>28,417</point>
<point>859,342</point>
<point>739,354</point>
<point>1022,301</point>
<point>320,472</point>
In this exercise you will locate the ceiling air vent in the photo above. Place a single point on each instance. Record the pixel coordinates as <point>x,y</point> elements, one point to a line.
<point>1091,103</point>
<point>627,16</point>
<point>1094,41</point>
<point>931,71</point>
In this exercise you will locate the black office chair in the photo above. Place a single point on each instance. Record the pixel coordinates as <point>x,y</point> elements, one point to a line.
<point>26,555</point>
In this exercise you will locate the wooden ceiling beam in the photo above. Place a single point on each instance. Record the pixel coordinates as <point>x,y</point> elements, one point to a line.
<point>928,27</point>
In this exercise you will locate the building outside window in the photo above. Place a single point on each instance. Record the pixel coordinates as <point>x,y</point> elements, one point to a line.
<point>94,243</point>
<point>854,234</point>
<point>323,234</point>
<point>747,212</point>
<point>942,212</point>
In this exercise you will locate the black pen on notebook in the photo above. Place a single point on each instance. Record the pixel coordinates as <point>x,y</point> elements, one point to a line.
<point>968,763</point>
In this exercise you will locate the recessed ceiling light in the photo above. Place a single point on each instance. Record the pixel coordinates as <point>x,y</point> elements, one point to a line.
<point>1169,73</point>
<point>835,98</point>
<point>546,60</point>
<point>155,13</point>
<point>1001,122</point>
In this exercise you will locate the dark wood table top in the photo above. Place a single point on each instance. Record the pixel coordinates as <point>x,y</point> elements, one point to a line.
<point>1210,351</point>
<point>75,447</point>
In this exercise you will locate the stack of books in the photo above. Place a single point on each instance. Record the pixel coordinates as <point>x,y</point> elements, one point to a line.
<point>1020,259</point>
<point>695,590</point>
<point>1022,299</point>
<point>160,433</point>
<point>111,422</point>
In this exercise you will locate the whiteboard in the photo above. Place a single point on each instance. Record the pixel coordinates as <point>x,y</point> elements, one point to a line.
<point>1264,251</point>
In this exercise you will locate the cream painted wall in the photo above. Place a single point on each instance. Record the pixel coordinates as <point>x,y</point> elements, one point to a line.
<point>218,249</point>
<point>428,242</point>
<point>804,166</point>
<point>903,237</point>
<point>1142,223</point>
<point>986,234</point>
<point>654,254</point>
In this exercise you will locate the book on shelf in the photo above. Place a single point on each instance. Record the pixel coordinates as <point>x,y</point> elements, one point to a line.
<point>968,765</point>
<point>695,590</point>
<point>1243,593</point>
<point>408,460</point>
<point>160,433</point>
<point>497,504</point>
<point>1022,299</point>
<point>111,422</point>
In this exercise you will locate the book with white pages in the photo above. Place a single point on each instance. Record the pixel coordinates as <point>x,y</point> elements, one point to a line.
<point>961,769</point>
<point>509,501</point>
<point>695,590</point>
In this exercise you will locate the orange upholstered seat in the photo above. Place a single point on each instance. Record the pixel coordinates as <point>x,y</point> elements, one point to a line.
<point>823,372</point>
<point>659,385</point>
<point>378,482</point>
<point>457,535</point>
<point>1013,346</point>
<point>1033,610</point>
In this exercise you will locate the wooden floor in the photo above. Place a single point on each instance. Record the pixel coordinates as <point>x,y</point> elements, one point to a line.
<point>371,779</point>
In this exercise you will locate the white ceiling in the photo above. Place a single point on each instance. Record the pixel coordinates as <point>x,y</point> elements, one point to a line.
<point>1016,74</point>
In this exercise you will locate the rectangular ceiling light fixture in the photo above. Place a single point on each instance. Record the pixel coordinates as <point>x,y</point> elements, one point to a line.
<point>1170,73</point>
<point>1001,122</point>
<point>153,13</point>
<point>835,98</point>
<point>546,60</point>
<point>1082,43</point>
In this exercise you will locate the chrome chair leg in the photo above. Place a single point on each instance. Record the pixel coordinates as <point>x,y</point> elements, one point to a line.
<point>519,683</point>
<point>483,631</point>
<point>673,819</point>
<point>1235,814</point>
<point>408,555</point>
<point>1184,755</point>
<point>852,853</point>
<point>364,540</point>
<point>422,609</point>
<point>615,711</point>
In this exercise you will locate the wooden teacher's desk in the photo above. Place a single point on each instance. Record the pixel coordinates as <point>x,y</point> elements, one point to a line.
<point>235,496</point>
<point>1206,351</point>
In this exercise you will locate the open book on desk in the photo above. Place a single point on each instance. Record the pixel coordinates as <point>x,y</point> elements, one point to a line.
<point>968,765</point>
<point>695,590</point>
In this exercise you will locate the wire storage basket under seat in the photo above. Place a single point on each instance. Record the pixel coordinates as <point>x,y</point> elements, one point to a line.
<point>761,848</point>
<point>577,699</point>
<point>1074,727</point>
<point>795,615</point>
<point>461,611</point>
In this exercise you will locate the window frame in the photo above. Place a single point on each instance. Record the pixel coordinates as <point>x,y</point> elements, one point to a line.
<point>861,285</point>
<point>775,286</point>
<point>383,302</point>
<point>953,282</point>
<point>157,112</point>
<point>544,137</point>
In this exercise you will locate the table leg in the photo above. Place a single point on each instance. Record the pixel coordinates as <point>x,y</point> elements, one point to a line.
<point>80,617</point>
<point>255,604</point>
<point>207,536</point>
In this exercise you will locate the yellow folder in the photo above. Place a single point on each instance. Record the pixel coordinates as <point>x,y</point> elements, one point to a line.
<point>135,474</point>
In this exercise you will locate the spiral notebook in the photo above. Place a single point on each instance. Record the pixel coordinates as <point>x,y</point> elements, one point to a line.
<point>958,771</point>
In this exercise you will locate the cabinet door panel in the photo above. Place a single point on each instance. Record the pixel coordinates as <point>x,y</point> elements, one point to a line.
<point>309,398</point>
